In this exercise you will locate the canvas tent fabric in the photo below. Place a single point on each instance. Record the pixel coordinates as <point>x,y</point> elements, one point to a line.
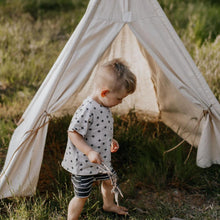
<point>170,88</point>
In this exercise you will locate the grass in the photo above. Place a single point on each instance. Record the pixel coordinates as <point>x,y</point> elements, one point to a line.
<point>155,186</point>
<point>207,59</point>
<point>197,15</point>
<point>23,48</point>
<point>159,188</point>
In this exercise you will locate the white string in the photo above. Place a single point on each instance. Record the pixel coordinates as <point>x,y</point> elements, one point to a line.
<point>113,178</point>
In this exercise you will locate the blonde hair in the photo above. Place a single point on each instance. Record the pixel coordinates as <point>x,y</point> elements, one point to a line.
<point>117,76</point>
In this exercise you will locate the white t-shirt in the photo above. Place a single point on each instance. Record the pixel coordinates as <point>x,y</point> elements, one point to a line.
<point>95,123</point>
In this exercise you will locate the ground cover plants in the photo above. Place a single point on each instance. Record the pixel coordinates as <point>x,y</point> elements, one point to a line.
<point>155,186</point>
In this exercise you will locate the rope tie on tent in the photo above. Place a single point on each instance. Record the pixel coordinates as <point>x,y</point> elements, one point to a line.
<point>32,131</point>
<point>45,115</point>
<point>203,114</point>
<point>208,110</point>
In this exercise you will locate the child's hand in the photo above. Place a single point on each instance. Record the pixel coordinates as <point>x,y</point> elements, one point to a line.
<point>94,157</point>
<point>114,146</point>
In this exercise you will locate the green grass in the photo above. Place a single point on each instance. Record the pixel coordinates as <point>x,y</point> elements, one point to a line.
<point>25,56</point>
<point>155,186</point>
<point>198,15</point>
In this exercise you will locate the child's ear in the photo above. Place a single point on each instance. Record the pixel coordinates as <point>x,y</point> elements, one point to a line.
<point>104,92</point>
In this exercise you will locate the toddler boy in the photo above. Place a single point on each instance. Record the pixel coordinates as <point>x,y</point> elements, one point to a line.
<point>90,137</point>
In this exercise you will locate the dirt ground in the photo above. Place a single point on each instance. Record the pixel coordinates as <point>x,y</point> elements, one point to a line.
<point>177,204</point>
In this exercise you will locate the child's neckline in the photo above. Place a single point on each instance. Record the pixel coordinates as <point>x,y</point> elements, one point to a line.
<point>97,103</point>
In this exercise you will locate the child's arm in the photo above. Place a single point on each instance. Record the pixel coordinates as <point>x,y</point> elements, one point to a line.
<point>79,142</point>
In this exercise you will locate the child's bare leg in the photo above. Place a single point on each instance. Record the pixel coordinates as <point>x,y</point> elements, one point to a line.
<point>108,200</point>
<point>75,208</point>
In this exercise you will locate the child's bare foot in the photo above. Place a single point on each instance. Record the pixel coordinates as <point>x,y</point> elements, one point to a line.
<point>120,210</point>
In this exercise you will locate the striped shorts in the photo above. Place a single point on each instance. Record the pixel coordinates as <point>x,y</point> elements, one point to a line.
<point>83,184</point>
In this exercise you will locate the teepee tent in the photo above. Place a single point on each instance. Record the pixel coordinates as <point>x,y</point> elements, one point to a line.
<point>170,88</point>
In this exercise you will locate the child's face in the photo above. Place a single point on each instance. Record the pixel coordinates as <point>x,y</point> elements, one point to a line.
<point>111,99</point>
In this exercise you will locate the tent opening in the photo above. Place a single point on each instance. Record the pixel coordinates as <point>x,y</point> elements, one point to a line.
<point>156,98</point>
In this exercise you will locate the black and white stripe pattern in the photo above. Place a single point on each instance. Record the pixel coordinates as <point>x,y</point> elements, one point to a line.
<point>83,184</point>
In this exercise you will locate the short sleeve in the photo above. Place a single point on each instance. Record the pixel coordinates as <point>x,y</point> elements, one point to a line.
<point>82,120</point>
